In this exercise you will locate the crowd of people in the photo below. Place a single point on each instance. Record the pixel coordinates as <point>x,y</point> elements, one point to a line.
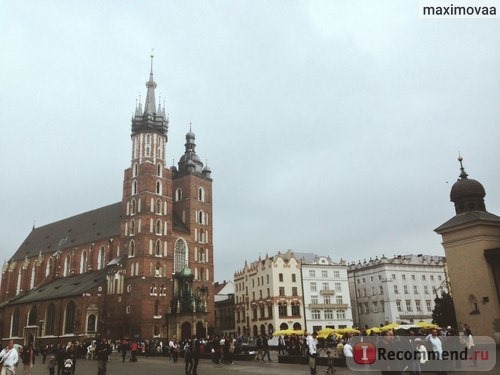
<point>62,359</point>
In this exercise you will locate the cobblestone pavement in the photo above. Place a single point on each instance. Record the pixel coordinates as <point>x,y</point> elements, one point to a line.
<point>163,365</point>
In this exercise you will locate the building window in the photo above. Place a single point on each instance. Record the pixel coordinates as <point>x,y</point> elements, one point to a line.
<point>101,259</point>
<point>432,277</point>
<point>315,314</point>
<point>336,274</point>
<point>381,289</point>
<point>415,289</point>
<point>32,316</point>
<point>67,265</point>
<point>338,287</point>
<point>294,291</point>
<point>426,289</point>
<point>428,305</point>
<point>328,314</point>
<point>280,277</point>
<point>158,227</point>
<point>295,309</point>
<point>340,314</point>
<point>339,300</point>
<point>282,309</point>
<point>314,300</point>
<point>158,207</point>
<point>180,255</point>
<point>326,286</point>
<point>417,305</point>
<point>158,170</point>
<point>398,305</point>
<point>396,289</point>
<point>423,277</point>
<point>382,307</point>
<point>91,323</point>
<point>134,189</point>
<point>324,273</point>
<point>201,194</point>
<point>439,277</point>
<point>408,305</point>
<point>313,287</point>
<point>15,323</point>
<point>294,278</point>
<point>133,207</point>
<point>69,318</point>
<point>50,320</point>
<point>312,273</point>
<point>131,249</point>
<point>403,276</point>
<point>50,267</point>
<point>158,248</point>
<point>152,290</point>
<point>134,170</point>
<point>178,194</point>
<point>270,311</point>
<point>375,306</point>
<point>326,300</point>
<point>282,291</point>
<point>83,262</point>
<point>405,289</point>
<point>393,276</point>
<point>413,277</point>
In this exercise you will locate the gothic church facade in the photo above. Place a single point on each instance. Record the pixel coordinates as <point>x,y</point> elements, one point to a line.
<point>140,268</point>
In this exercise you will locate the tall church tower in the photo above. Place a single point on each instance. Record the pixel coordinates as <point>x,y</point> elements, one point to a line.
<point>166,228</point>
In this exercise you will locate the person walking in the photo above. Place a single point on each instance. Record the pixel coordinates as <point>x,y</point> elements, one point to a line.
<point>311,343</point>
<point>103,350</point>
<point>188,357</point>
<point>28,359</point>
<point>330,361</point>
<point>195,349</point>
<point>265,349</point>
<point>258,347</point>
<point>9,358</point>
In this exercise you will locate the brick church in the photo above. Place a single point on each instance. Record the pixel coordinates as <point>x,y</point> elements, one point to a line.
<point>139,268</point>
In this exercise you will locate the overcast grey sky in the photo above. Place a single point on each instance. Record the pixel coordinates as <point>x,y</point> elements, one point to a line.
<point>330,126</point>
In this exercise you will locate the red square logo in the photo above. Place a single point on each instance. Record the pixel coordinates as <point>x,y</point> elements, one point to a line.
<point>364,353</point>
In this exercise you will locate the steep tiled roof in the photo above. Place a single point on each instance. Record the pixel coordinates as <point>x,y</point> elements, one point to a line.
<point>89,226</point>
<point>63,287</point>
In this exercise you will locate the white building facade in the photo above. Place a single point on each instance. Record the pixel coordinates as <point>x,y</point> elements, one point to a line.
<point>268,295</point>
<point>326,292</point>
<point>397,290</point>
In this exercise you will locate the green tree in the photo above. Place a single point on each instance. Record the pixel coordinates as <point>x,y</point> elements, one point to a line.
<point>444,312</point>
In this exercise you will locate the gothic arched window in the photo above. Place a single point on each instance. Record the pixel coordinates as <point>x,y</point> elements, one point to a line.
<point>180,255</point>
<point>50,319</point>
<point>83,262</point>
<point>15,323</point>
<point>131,248</point>
<point>100,258</point>
<point>69,318</point>
<point>67,265</point>
<point>32,320</point>
<point>201,194</point>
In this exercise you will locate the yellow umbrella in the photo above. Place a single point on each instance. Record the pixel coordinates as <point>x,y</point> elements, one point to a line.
<point>288,332</point>
<point>344,331</point>
<point>425,325</point>
<point>389,326</point>
<point>374,330</point>
<point>327,332</point>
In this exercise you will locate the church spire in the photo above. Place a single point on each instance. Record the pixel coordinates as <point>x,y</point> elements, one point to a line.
<point>152,118</point>
<point>150,105</point>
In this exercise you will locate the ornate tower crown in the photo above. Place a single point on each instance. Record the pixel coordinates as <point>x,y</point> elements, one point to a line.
<point>152,118</point>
